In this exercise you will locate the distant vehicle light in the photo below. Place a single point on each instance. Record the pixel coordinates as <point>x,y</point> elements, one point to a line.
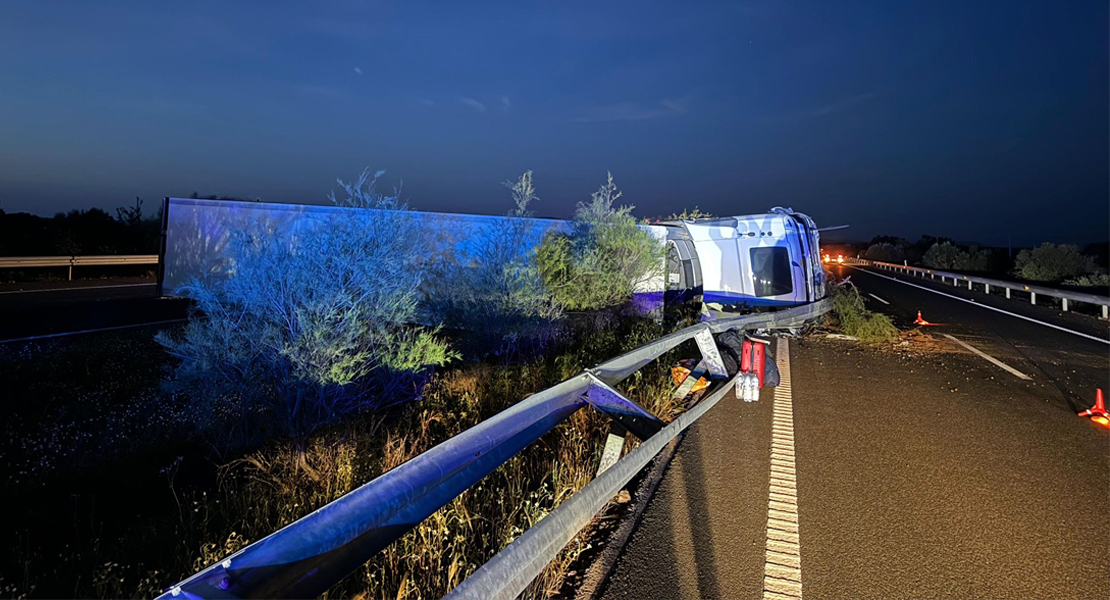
<point>840,259</point>
<point>825,258</point>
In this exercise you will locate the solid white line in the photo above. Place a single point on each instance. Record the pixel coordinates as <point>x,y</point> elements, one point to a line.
<point>974,303</point>
<point>877,298</point>
<point>74,289</point>
<point>69,333</point>
<point>782,562</point>
<point>992,359</point>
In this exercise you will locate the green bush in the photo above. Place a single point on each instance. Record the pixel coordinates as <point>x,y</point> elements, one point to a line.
<point>1089,280</point>
<point>606,257</point>
<point>884,252</point>
<point>853,318</point>
<point>946,255</point>
<point>493,290</point>
<point>308,327</point>
<point>1049,262</point>
<point>943,256</point>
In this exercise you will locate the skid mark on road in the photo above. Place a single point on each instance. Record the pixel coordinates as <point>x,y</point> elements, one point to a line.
<point>782,571</point>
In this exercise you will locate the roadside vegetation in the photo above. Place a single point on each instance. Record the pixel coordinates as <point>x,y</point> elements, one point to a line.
<point>603,259</point>
<point>321,365</point>
<point>850,316</point>
<point>1064,264</point>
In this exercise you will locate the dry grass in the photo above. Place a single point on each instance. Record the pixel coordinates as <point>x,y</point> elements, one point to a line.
<point>259,493</point>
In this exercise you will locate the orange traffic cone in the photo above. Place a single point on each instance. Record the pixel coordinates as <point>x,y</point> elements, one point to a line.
<point>920,321</point>
<point>1098,412</point>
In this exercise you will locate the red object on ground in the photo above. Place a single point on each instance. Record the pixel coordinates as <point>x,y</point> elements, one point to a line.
<point>757,360</point>
<point>1098,412</point>
<point>920,321</point>
<point>752,358</point>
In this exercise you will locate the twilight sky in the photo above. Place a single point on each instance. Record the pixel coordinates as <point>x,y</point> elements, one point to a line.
<point>974,120</point>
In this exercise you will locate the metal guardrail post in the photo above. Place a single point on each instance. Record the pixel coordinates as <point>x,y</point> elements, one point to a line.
<point>1007,286</point>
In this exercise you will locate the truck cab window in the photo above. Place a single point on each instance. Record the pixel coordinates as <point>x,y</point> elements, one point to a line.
<point>771,271</point>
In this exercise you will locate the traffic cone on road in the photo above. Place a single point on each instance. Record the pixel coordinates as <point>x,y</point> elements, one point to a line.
<point>1098,412</point>
<point>920,321</point>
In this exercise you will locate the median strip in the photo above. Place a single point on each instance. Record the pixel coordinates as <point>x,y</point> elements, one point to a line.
<point>782,566</point>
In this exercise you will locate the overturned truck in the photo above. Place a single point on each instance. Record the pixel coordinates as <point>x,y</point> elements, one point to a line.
<point>735,263</point>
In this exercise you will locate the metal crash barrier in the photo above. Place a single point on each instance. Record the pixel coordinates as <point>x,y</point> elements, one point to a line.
<point>27,262</point>
<point>308,556</point>
<point>987,283</point>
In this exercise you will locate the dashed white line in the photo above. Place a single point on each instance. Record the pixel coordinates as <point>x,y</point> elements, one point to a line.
<point>877,298</point>
<point>974,303</point>
<point>782,565</point>
<point>994,361</point>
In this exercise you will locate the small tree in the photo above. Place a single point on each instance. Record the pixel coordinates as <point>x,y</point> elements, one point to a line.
<point>885,252</point>
<point>605,258</point>
<point>312,324</point>
<point>493,289</point>
<point>1049,262</point>
<point>944,256</point>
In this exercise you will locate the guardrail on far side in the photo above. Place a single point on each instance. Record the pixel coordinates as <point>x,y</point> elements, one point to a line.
<point>28,262</point>
<point>987,283</point>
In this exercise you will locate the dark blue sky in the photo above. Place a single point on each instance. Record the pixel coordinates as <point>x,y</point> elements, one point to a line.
<point>975,120</point>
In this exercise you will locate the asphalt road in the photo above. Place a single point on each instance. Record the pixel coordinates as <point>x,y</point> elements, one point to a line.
<point>1065,366</point>
<point>923,471</point>
<point>48,308</point>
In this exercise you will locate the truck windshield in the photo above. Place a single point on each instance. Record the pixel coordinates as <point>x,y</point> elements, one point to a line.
<point>771,271</point>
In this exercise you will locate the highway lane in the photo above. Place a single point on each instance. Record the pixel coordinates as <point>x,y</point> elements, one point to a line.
<point>82,306</point>
<point>923,471</point>
<point>936,475</point>
<point>1066,368</point>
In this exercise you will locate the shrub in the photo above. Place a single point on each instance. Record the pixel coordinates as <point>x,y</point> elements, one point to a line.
<point>605,258</point>
<point>946,255</point>
<point>1089,280</point>
<point>308,327</point>
<point>494,290</point>
<point>885,252</point>
<point>855,320</point>
<point>976,259</point>
<point>690,214</point>
<point>943,256</point>
<point>1049,262</point>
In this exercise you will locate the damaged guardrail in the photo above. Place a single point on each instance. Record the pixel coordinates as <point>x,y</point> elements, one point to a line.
<point>987,283</point>
<point>308,556</point>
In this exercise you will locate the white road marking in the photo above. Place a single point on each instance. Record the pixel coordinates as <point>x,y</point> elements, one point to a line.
<point>77,289</point>
<point>782,565</point>
<point>69,333</point>
<point>1005,312</point>
<point>877,298</point>
<point>994,361</point>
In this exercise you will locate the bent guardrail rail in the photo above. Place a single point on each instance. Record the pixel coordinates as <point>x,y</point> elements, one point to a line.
<point>1033,290</point>
<point>27,262</point>
<point>308,556</point>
